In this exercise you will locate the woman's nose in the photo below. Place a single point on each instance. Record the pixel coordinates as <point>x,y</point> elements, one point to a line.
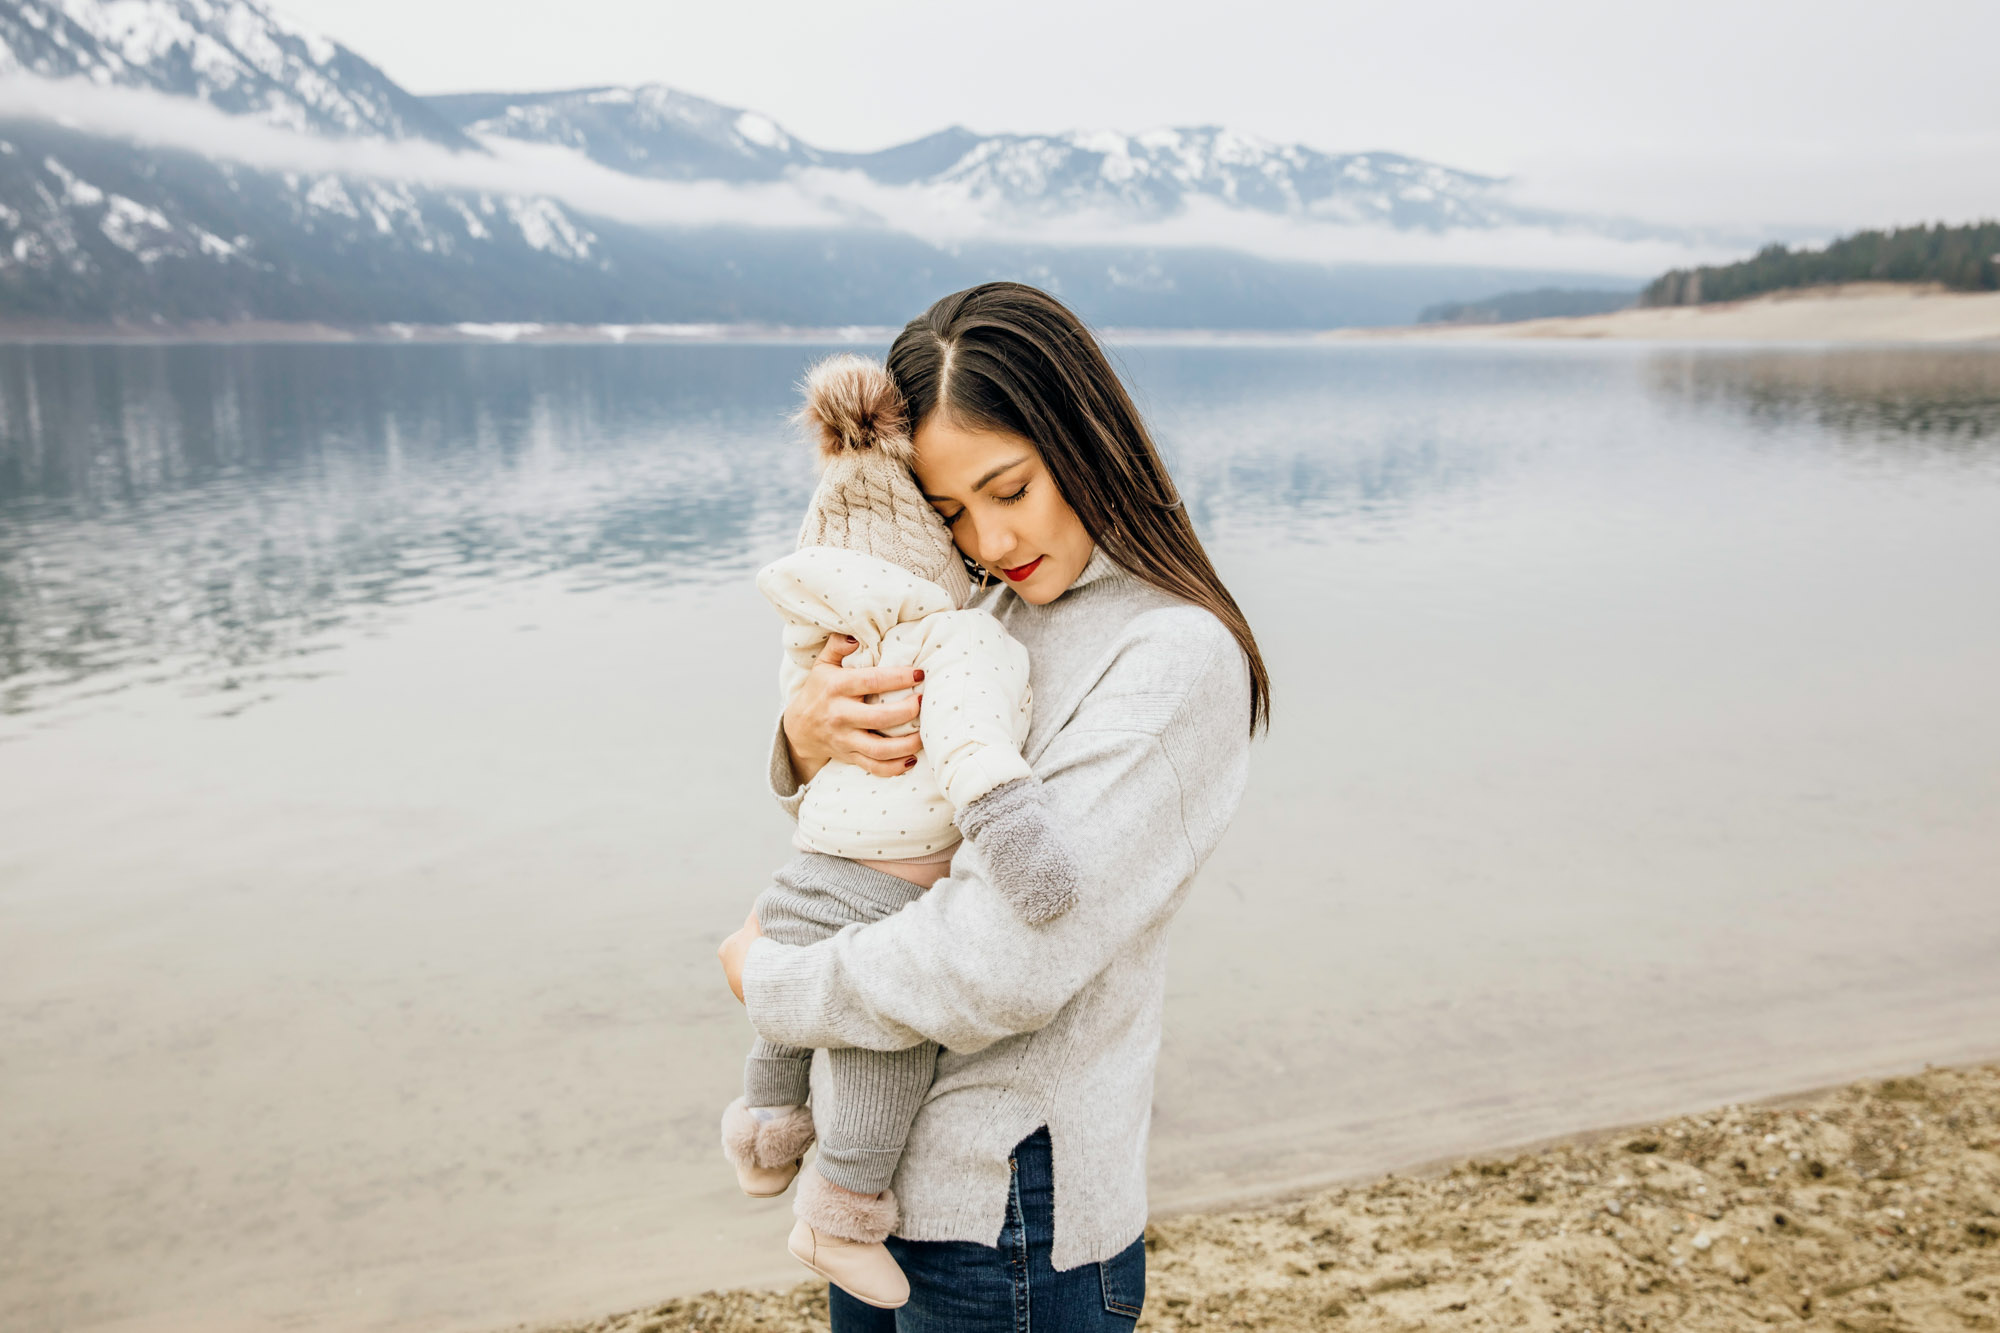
<point>992,542</point>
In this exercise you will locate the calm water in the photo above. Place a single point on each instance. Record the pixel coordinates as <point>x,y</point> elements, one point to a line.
<point>381,733</point>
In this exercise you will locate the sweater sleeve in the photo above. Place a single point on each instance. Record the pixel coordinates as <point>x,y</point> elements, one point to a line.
<point>786,789</point>
<point>1153,761</point>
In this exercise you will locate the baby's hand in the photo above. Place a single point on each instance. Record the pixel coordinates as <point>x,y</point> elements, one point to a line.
<point>733,950</point>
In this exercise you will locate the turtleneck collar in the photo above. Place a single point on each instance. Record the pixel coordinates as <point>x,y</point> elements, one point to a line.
<point>1099,566</point>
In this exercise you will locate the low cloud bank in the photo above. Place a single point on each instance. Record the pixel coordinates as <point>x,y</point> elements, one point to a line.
<point>818,198</point>
<point>157,120</point>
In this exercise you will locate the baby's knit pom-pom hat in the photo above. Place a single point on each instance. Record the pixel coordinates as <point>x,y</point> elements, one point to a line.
<point>867,498</point>
<point>852,404</point>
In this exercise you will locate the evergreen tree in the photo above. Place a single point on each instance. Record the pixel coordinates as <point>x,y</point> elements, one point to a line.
<point>1965,259</point>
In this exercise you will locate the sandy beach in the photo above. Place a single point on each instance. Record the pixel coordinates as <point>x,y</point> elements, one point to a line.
<point>1861,312</point>
<point>1871,1207</point>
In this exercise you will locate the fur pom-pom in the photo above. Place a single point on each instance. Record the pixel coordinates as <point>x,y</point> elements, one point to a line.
<point>783,1141</point>
<point>851,403</point>
<point>749,1141</point>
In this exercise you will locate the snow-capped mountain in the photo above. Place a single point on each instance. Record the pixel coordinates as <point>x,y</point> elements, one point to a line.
<point>650,130</point>
<point>1159,173</point>
<point>106,223</point>
<point>91,225</point>
<point>1155,175</point>
<point>661,132</point>
<point>236,54</point>
<point>657,131</point>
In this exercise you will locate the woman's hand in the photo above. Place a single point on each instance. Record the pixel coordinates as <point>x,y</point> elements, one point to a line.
<point>827,719</point>
<point>733,950</point>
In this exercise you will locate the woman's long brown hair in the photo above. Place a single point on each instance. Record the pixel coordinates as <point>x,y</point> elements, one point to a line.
<point>1004,356</point>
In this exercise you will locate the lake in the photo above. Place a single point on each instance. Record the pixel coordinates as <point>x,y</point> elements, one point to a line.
<point>381,745</point>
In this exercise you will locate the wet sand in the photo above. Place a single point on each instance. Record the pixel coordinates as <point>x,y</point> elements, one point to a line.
<point>1856,312</point>
<point>1872,1207</point>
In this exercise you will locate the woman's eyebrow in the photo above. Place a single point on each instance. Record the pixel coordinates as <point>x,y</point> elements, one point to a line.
<point>981,483</point>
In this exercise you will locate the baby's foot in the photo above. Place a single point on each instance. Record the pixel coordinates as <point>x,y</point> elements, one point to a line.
<point>839,1236</point>
<point>765,1144</point>
<point>863,1269</point>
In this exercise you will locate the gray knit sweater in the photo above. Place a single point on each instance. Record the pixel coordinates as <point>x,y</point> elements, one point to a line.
<point>1141,739</point>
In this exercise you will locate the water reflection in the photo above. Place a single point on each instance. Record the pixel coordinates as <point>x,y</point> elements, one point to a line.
<point>217,513</point>
<point>215,510</point>
<point>1294,443</point>
<point>1942,399</point>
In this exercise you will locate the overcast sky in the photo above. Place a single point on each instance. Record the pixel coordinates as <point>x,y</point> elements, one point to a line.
<point>1690,110</point>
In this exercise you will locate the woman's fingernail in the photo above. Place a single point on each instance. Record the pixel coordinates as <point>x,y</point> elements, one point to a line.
<point>918,674</point>
<point>850,638</point>
<point>910,761</point>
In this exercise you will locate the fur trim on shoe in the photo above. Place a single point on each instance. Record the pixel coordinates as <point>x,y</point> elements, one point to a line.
<point>739,1134</point>
<point>851,403</point>
<point>843,1213</point>
<point>748,1141</point>
<point>784,1140</point>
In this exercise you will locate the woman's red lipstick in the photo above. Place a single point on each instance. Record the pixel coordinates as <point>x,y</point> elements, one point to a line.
<point>1019,572</point>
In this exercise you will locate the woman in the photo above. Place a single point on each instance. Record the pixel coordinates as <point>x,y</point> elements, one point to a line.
<point>1022,1186</point>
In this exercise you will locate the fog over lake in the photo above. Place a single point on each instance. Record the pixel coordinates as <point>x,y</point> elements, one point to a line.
<point>382,732</point>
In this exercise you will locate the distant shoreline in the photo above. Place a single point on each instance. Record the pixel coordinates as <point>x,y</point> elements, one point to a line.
<point>16,332</point>
<point>471,332</point>
<point>1873,312</point>
<point>1859,312</point>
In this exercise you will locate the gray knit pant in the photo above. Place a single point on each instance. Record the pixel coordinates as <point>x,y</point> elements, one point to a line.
<point>873,1095</point>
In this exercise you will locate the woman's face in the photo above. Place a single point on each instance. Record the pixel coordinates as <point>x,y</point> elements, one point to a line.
<point>1002,506</point>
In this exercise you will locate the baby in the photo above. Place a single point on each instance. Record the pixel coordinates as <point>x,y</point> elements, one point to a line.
<point>875,561</point>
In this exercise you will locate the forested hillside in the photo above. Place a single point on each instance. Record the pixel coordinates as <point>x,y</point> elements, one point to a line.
<point>1514,307</point>
<point>1961,258</point>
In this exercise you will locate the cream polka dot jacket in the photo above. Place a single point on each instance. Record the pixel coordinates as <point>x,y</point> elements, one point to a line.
<point>977,701</point>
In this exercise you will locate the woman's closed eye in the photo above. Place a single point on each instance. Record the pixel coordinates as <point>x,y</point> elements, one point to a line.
<point>953,517</point>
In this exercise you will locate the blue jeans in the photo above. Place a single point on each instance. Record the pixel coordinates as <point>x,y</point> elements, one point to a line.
<point>958,1286</point>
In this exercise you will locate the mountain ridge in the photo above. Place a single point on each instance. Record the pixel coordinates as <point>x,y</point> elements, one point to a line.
<point>661,132</point>
<point>237,55</point>
<point>96,226</point>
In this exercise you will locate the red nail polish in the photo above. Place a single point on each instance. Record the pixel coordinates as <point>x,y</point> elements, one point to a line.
<point>918,674</point>
<point>908,762</point>
<point>850,638</point>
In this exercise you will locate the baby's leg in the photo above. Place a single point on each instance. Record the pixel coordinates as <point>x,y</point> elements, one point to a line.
<point>874,1098</point>
<point>768,1129</point>
<point>765,1130</point>
<point>776,1075</point>
<point>792,911</point>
